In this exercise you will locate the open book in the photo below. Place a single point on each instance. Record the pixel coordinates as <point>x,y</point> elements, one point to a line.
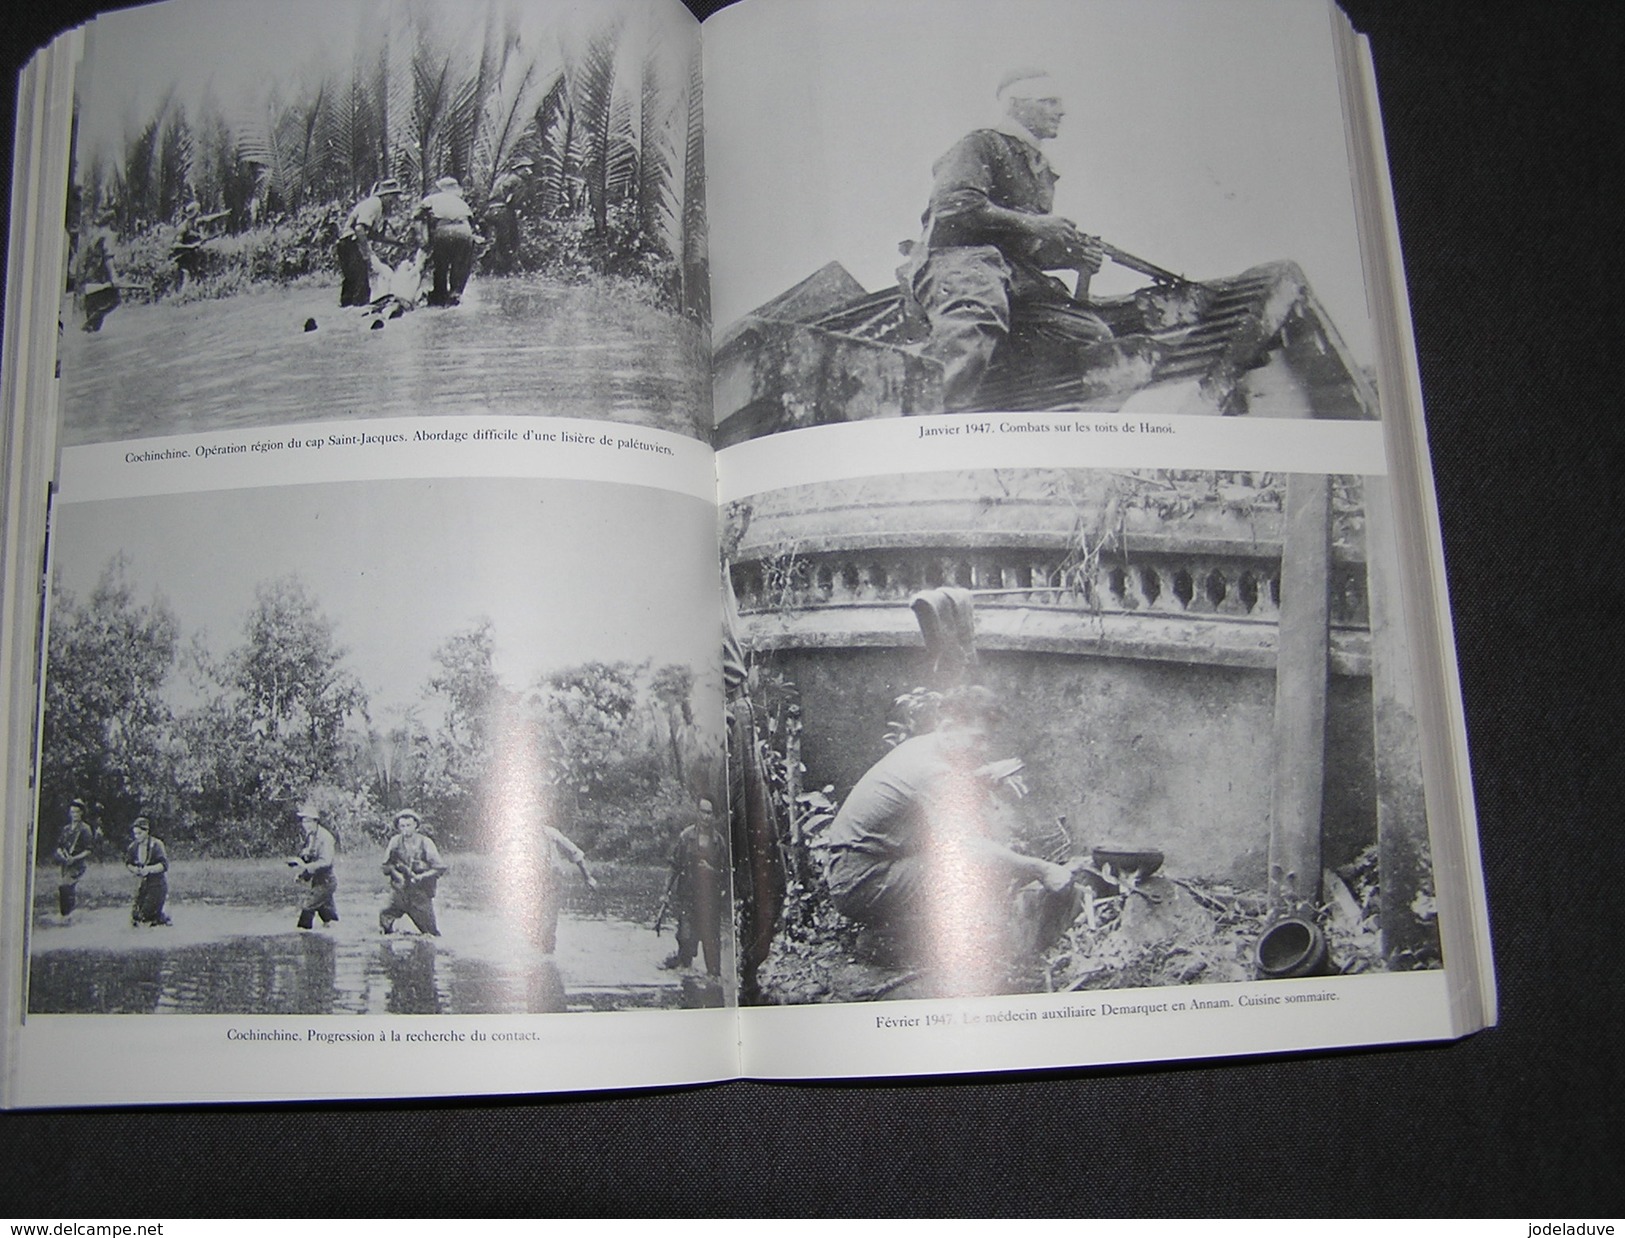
<point>551,547</point>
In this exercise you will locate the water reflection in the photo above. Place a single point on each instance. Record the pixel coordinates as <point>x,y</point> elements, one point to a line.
<point>409,969</point>
<point>307,973</point>
<point>518,346</point>
<point>479,988</point>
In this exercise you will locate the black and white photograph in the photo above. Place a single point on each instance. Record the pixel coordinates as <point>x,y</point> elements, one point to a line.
<point>405,747</point>
<point>1048,731</point>
<point>1042,206</point>
<point>376,208</point>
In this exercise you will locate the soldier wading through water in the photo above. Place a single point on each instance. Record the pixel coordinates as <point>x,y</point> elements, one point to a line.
<point>414,868</point>
<point>315,868</point>
<point>73,847</point>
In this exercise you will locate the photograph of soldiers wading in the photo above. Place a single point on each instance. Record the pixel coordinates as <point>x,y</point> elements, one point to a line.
<point>413,770</point>
<point>1044,235</point>
<point>1036,731</point>
<point>385,208</point>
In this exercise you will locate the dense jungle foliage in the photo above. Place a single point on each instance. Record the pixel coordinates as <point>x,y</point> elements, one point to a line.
<point>607,109</point>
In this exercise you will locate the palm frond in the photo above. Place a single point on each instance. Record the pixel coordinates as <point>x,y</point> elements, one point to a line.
<point>620,154</point>
<point>511,114</point>
<point>553,140</point>
<point>591,73</point>
<point>696,261</point>
<point>659,201</point>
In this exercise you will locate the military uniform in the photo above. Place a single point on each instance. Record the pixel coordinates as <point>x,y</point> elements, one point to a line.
<point>98,280</point>
<point>502,218</point>
<point>697,866</point>
<point>450,224</point>
<point>914,856</point>
<point>72,854</point>
<point>187,248</point>
<point>143,856</point>
<point>318,856</point>
<point>365,221</point>
<point>545,893</point>
<point>414,868</point>
<point>891,828</point>
<point>972,273</point>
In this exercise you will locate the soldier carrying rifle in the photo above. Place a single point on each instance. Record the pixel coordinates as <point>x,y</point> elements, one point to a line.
<point>414,868</point>
<point>990,236</point>
<point>314,865</point>
<point>696,891</point>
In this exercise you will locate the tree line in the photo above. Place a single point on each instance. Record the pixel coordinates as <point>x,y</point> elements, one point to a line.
<point>609,117</point>
<point>608,751</point>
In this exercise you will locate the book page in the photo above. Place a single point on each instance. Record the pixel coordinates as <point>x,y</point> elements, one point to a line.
<point>1069,668</point>
<point>381,749</point>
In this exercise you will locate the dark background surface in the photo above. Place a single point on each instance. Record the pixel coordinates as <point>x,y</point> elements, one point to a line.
<point>1506,147</point>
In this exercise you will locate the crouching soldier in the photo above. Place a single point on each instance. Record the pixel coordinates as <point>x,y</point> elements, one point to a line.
<point>315,868</point>
<point>147,860</point>
<point>916,857</point>
<point>414,868</point>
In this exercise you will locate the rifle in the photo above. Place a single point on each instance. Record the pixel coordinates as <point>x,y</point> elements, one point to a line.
<point>1125,259</point>
<point>395,243</point>
<point>665,904</point>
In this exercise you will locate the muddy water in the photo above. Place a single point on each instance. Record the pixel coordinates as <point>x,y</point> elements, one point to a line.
<point>514,346</point>
<point>222,957</point>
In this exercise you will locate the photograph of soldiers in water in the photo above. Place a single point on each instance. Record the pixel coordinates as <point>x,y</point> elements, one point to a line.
<point>1025,730</point>
<point>399,774</point>
<point>319,211</point>
<point>996,212</point>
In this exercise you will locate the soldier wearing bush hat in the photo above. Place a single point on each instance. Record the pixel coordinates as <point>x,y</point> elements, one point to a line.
<point>448,224</point>
<point>314,865</point>
<point>414,868</point>
<point>147,859</point>
<point>74,844</point>
<point>364,225</point>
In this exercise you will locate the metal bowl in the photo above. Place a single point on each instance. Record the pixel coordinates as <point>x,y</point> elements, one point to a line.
<point>1127,862</point>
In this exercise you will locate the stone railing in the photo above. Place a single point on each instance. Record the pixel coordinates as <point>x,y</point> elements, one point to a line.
<point>1161,580</point>
<point>1202,604</point>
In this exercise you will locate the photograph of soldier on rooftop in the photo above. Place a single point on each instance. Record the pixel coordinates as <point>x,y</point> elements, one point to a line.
<point>328,209</point>
<point>957,225</point>
<point>1029,730</point>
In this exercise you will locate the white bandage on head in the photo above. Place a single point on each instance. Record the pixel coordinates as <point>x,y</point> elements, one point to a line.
<point>1027,84</point>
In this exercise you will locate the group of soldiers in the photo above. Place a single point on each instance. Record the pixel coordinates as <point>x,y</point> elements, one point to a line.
<point>439,234</point>
<point>144,858</point>
<point>533,864</point>
<point>412,863</point>
<point>445,237</point>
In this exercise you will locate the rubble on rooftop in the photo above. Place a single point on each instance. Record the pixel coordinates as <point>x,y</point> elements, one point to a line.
<point>1259,343</point>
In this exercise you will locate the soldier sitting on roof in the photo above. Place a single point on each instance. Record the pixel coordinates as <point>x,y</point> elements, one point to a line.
<point>989,237</point>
